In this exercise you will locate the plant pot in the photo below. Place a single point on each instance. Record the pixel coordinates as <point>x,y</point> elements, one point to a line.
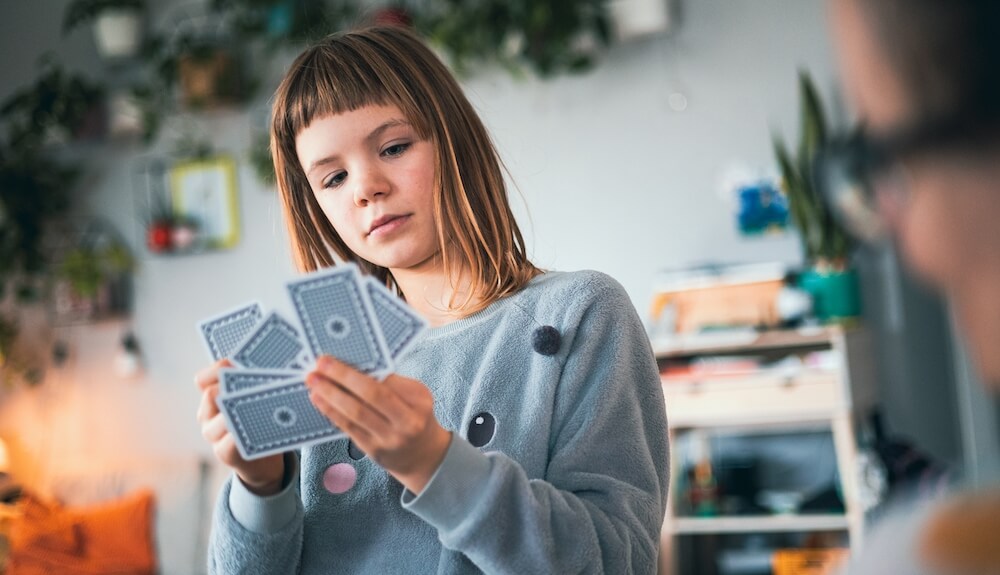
<point>836,295</point>
<point>633,19</point>
<point>112,298</point>
<point>210,81</point>
<point>159,237</point>
<point>118,33</point>
<point>125,119</point>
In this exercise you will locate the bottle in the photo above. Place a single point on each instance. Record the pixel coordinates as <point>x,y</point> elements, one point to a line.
<point>704,492</point>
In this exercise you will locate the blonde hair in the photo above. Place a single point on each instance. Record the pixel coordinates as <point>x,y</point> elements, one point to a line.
<point>389,65</point>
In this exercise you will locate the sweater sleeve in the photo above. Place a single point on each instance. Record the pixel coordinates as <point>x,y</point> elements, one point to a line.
<point>600,507</point>
<point>252,534</point>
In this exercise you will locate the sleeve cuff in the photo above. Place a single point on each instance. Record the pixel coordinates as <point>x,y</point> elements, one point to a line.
<point>266,514</point>
<point>459,480</point>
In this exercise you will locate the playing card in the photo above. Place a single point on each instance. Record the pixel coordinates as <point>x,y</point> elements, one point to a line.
<point>275,418</point>
<point>338,320</point>
<point>222,333</point>
<point>401,326</point>
<point>273,344</point>
<point>233,380</point>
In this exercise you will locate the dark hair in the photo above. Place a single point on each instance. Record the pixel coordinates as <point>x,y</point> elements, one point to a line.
<point>945,51</point>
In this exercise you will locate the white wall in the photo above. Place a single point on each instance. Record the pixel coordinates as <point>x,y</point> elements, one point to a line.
<point>612,177</point>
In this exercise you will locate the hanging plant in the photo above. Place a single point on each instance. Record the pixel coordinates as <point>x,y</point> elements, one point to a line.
<point>94,275</point>
<point>57,106</point>
<point>32,205</point>
<point>79,12</point>
<point>259,156</point>
<point>279,23</point>
<point>117,24</point>
<point>546,37</point>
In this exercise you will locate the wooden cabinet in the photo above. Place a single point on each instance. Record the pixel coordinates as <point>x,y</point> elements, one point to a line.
<point>740,389</point>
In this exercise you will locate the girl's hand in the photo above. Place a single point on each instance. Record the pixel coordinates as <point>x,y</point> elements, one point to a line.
<point>261,476</point>
<point>392,421</point>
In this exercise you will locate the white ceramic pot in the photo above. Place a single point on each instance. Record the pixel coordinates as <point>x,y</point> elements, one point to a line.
<point>118,33</point>
<point>632,19</point>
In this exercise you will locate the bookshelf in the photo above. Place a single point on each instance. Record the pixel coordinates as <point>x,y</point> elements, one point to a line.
<point>815,382</point>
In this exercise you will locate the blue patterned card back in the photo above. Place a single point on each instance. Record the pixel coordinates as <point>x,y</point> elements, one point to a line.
<point>222,333</point>
<point>233,380</point>
<point>273,344</point>
<point>401,326</point>
<point>338,320</point>
<point>274,419</point>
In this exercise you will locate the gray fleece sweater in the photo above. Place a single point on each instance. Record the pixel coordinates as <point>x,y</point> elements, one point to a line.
<point>558,461</point>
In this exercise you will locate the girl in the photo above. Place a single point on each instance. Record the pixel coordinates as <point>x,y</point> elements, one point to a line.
<point>525,433</point>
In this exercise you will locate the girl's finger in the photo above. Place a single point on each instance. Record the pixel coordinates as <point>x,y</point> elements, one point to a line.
<point>359,434</point>
<point>346,406</point>
<point>376,394</point>
<point>210,375</point>
<point>214,429</point>
<point>207,408</point>
<point>414,393</point>
<point>226,451</point>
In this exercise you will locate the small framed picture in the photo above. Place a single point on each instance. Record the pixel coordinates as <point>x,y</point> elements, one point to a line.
<point>203,196</point>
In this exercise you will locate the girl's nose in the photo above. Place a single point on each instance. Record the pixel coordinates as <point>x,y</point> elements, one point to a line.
<point>370,185</point>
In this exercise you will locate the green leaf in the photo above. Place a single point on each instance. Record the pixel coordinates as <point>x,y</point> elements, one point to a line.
<point>813,118</point>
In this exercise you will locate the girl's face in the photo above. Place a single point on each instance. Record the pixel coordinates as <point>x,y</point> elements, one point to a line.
<point>374,179</point>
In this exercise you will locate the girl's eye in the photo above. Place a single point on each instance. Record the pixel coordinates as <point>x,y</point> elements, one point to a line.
<point>395,150</point>
<point>335,180</point>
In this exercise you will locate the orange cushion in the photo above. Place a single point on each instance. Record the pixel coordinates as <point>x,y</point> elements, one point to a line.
<point>41,527</point>
<point>111,537</point>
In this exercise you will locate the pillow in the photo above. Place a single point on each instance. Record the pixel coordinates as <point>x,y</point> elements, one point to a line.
<point>181,498</point>
<point>41,527</point>
<point>120,532</point>
<point>113,537</point>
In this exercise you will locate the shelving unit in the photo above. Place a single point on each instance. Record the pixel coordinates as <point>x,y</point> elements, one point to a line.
<point>760,524</point>
<point>788,399</point>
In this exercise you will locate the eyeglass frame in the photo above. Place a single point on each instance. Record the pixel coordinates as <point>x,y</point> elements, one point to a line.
<point>860,159</point>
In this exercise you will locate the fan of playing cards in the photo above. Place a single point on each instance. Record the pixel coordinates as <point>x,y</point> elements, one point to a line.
<point>341,313</point>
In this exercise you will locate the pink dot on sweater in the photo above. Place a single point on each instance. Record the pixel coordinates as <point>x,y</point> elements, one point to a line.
<point>339,477</point>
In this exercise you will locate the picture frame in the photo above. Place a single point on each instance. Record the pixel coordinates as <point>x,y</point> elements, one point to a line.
<point>203,194</point>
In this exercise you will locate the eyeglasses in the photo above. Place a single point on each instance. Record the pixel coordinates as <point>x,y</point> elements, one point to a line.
<point>863,181</point>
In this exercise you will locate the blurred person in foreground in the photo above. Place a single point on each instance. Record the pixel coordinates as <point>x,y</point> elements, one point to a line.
<point>923,170</point>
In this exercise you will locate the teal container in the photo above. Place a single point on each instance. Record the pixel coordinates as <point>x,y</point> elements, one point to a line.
<point>836,295</point>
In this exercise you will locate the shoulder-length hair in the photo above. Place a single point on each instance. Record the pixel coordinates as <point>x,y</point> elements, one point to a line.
<point>389,65</point>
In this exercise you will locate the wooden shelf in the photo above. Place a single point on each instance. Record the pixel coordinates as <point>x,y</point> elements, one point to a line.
<point>816,394</point>
<point>758,524</point>
<point>761,377</point>
<point>807,396</point>
<point>761,423</point>
<point>742,342</point>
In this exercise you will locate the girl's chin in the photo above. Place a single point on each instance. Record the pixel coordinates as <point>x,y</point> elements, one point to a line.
<point>404,262</point>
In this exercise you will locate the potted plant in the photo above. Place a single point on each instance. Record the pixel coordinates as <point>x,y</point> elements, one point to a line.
<point>206,67</point>
<point>32,207</point>
<point>15,365</point>
<point>259,158</point>
<point>59,106</point>
<point>285,22</point>
<point>117,24</point>
<point>830,278</point>
<point>94,275</point>
<point>209,73</point>
<point>546,37</point>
